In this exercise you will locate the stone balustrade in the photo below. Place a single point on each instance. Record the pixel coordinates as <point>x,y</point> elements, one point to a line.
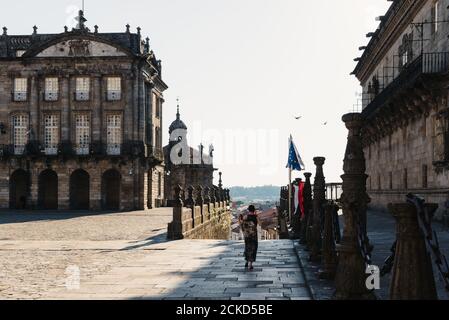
<point>205,214</point>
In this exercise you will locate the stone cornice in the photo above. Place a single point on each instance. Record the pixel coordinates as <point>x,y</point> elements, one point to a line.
<point>389,33</point>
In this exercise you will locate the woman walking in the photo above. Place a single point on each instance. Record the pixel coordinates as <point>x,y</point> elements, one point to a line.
<point>249,224</point>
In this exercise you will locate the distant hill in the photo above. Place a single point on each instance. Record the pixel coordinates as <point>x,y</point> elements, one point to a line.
<point>255,193</point>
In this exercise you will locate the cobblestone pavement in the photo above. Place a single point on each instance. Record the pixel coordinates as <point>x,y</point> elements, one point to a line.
<point>36,248</point>
<point>198,269</point>
<point>126,256</point>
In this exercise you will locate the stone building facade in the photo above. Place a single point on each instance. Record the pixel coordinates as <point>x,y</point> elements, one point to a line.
<point>185,166</point>
<point>404,74</point>
<point>80,121</point>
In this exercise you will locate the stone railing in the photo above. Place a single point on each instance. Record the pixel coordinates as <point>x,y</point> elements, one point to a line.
<point>204,213</point>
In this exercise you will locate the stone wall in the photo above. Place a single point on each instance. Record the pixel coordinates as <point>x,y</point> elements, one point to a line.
<point>211,221</point>
<point>133,178</point>
<point>403,162</point>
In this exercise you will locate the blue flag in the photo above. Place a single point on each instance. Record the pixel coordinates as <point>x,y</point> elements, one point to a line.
<point>294,159</point>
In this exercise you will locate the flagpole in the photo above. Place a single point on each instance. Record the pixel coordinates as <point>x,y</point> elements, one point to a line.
<point>290,194</point>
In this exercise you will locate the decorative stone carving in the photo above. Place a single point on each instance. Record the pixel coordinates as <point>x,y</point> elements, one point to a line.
<point>179,200</point>
<point>412,276</point>
<point>350,277</point>
<point>207,195</point>
<point>319,198</point>
<point>190,202</point>
<point>328,248</point>
<point>306,224</point>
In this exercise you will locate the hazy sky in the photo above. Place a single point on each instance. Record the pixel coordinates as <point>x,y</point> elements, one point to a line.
<point>242,69</point>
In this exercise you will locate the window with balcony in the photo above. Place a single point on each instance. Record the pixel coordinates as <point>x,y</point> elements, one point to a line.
<point>114,88</point>
<point>82,89</point>
<point>114,134</point>
<point>82,132</point>
<point>51,89</point>
<point>20,133</point>
<point>20,89</point>
<point>51,134</point>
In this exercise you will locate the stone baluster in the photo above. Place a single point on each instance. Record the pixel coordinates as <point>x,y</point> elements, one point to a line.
<point>319,198</point>
<point>412,276</point>
<point>207,195</point>
<point>306,224</point>
<point>175,227</point>
<point>220,181</point>
<point>351,277</point>
<point>190,201</point>
<point>217,195</point>
<point>179,201</point>
<point>212,195</point>
<point>328,248</point>
<point>199,201</point>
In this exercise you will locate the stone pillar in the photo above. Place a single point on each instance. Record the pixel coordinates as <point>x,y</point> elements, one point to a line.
<point>174,230</point>
<point>217,196</point>
<point>63,190</point>
<point>350,277</point>
<point>200,201</point>
<point>212,196</point>
<point>95,190</point>
<point>220,181</point>
<point>328,247</point>
<point>412,276</point>
<point>206,195</point>
<point>305,226</point>
<point>319,198</point>
<point>190,201</point>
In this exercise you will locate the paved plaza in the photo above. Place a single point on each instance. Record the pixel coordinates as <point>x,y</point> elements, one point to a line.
<point>127,256</point>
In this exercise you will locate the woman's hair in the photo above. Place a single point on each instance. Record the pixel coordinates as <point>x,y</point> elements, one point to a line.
<point>251,208</point>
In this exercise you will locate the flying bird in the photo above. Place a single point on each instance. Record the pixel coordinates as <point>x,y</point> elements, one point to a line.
<point>297,118</point>
<point>325,123</point>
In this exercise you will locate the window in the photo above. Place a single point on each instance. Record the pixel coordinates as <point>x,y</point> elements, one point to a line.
<point>390,176</point>
<point>114,134</point>
<point>158,108</point>
<point>379,185</point>
<point>82,89</point>
<point>51,134</point>
<point>82,132</point>
<point>157,137</point>
<point>114,88</point>
<point>20,133</point>
<point>159,184</point>
<point>424,176</point>
<point>51,89</point>
<point>405,179</point>
<point>434,17</point>
<point>20,89</point>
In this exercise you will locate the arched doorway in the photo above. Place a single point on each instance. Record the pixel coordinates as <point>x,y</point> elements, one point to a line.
<point>48,190</point>
<point>79,190</point>
<point>111,190</point>
<point>19,185</point>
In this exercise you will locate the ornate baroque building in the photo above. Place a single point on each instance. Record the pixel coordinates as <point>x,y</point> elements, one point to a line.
<point>186,166</point>
<point>404,72</point>
<point>80,121</point>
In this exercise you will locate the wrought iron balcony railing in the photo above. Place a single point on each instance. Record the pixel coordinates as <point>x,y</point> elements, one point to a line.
<point>425,64</point>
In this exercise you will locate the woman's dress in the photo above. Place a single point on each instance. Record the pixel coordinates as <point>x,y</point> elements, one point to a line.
<point>249,228</point>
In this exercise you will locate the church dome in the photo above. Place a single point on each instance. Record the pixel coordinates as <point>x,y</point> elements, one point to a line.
<point>177,124</point>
